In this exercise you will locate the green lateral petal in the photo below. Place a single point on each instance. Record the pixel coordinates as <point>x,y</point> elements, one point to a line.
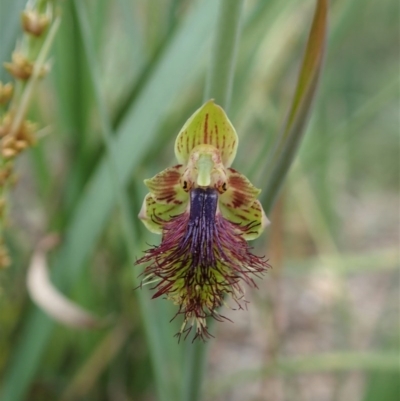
<point>208,125</point>
<point>166,187</point>
<point>252,219</point>
<point>238,204</point>
<point>154,214</point>
<point>240,191</point>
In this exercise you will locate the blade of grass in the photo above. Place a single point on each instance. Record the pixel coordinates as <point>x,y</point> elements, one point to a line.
<point>145,63</point>
<point>381,260</point>
<point>340,23</point>
<point>134,137</point>
<point>329,362</point>
<point>99,11</point>
<point>380,384</point>
<point>74,105</point>
<point>361,116</point>
<point>30,86</point>
<point>131,26</point>
<point>89,373</point>
<point>223,57</point>
<point>155,342</point>
<point>291,135</point>
<point>219,87</point>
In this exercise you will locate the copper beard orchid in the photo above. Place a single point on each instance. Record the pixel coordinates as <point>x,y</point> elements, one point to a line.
<point>206,212</point>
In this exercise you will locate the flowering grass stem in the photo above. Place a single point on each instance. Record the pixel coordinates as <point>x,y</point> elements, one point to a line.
<point>29,89</point>
<point>28,65</point>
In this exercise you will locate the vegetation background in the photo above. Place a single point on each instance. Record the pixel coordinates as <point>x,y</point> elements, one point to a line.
<point>324,324</point>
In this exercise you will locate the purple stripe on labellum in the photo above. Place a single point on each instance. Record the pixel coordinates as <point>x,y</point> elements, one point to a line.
<point>200,229</point>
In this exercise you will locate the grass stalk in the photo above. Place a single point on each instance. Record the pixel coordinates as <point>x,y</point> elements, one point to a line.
<point>128,229</point>
<point>327,362</point>
<point>29,89</point>
<point>223,58</point>
<point>219,87</point>
<point>293,130</point>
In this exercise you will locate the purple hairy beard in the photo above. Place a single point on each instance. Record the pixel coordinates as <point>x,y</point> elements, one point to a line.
<point>202,257</point>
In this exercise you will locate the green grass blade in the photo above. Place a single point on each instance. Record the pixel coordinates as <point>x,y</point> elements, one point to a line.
<point>329,362</point>
<point>223,57</point>
<point>291,135</point>
<point>155,341</point>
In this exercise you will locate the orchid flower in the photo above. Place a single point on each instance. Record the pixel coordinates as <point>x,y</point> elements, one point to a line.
<point>206,212</point>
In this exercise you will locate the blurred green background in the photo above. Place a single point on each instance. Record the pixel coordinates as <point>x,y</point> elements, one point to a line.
<point>324,324</point>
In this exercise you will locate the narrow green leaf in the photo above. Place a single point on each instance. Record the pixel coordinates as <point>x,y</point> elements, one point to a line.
<point>155,340</point>
<point>312,61</point>
<point>291,135</point>
<point>329,362</point>
<point>223,58</point>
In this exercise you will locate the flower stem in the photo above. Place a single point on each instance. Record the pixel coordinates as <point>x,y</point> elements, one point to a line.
<point>223,57</point>
<point>218,87</point>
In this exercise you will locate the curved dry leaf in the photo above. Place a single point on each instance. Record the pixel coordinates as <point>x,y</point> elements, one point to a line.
<point>47,297</point>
